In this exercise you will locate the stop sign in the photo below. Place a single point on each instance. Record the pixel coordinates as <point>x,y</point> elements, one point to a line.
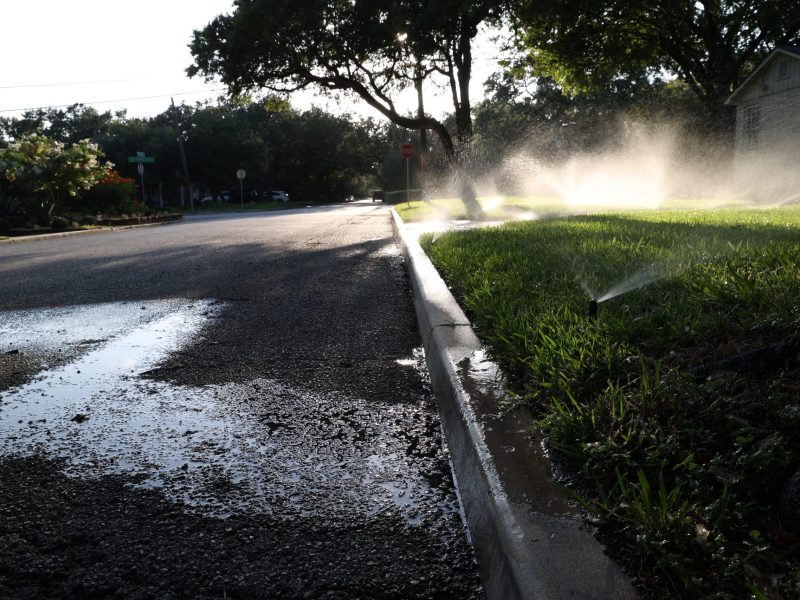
<point>407,150</point>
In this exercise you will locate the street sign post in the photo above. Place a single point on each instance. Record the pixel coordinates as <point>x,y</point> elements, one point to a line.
<point>240,175</point>
<point>407,151</point>
<point>141,159</point>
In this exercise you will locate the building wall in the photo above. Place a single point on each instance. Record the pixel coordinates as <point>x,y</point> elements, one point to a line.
<point>777,123</point>
<point>775,97</point>
<point>768,132</point>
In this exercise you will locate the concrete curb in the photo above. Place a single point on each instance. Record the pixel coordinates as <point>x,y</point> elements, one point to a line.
<point>63,234</point>
<point>529,540</point>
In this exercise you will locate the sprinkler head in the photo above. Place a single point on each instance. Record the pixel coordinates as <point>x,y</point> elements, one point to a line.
<point>592,308</point>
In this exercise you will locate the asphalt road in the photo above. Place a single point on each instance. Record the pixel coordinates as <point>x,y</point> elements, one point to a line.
<point>227,407</point>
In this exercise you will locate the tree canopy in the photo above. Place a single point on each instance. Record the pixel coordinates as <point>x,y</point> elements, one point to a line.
<point>68,125</point>
<point>710,45</point>
<point>371,49</point>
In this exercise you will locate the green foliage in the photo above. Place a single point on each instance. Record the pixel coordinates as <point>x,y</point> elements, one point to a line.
<point>313,155</point>
<point>684,472</point>
<point>711,46</point>
<point>112,195</point>
<point>59,223</point>
<point>369,49</point>
<point>44,173</point>
<point>538,118</point>
<point>67,125</point>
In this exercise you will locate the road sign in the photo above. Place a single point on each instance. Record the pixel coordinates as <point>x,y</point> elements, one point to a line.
<point>407,150</point>
<point>241,174</point>
<point>141,158</point>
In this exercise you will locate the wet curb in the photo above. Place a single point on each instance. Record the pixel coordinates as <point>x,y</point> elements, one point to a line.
<point>530,541</point>
<point>63,234</point>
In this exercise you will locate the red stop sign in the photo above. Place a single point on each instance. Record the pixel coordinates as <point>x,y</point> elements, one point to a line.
<point>407,150</point>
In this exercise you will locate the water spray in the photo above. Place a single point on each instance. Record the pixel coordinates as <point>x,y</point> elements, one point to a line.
<point>592,308</point>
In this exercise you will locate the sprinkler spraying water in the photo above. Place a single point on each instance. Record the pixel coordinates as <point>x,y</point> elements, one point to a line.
<point>592,308</point>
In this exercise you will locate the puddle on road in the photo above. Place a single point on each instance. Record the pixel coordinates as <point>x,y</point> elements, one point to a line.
<point>258,446</point>
<point>58,327</point>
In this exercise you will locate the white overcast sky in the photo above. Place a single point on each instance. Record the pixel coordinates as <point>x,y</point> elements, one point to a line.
<point>110,53</point>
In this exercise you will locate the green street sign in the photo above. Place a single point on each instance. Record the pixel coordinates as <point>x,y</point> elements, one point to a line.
<point>141,158</point>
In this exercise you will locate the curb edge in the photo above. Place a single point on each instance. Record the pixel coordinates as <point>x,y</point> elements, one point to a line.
<point>522,553</point>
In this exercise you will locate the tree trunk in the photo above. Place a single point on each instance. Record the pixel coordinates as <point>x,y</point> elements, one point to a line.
<point>423,134</point>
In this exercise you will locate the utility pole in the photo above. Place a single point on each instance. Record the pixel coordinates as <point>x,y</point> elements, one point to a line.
<point>179,135</point>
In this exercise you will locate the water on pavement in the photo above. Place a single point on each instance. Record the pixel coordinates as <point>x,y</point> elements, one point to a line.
<point>259,446</point>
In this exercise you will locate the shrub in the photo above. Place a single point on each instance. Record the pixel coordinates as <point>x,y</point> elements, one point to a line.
<point>45,174</point>
<point>113,195</point>
<point>59,223</point>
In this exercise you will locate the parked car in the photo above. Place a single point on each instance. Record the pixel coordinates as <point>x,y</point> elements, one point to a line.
<point>276,196</point>
<point>206,199</point>
<point>225,196</point>
<point>378,195</point>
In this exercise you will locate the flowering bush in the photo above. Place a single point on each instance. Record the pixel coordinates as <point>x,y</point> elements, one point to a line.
<point>112,195</point>
<point>44,173</point>
<point>114,178</point>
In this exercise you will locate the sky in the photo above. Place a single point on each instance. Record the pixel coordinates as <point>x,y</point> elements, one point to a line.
<point>116,55</point>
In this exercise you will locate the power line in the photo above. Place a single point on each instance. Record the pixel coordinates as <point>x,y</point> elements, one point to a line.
<point>7,110</point>
<point>41,85</point>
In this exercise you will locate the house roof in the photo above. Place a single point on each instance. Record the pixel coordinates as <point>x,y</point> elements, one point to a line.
<point>793,51</point>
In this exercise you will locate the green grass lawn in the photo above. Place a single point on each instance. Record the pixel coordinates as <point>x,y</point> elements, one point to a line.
<point>495,207</point>
<point>526,208</point>
<point>684,471</point>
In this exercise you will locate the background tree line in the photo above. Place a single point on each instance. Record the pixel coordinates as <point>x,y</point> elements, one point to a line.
<point>315,155</point>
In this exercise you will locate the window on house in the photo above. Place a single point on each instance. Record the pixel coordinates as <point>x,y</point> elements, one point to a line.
<point>752,124</point>
<point>783,69</point>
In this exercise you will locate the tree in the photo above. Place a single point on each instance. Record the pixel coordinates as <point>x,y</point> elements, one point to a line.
<point>314,155</point>
<point>535,116</point>
<point>317,156</point>
<point>370,49</point>
<point>220,140</point>
<point>70,125</point>
<point>44,173</point>
<point>710,45</point>
<point>155,137</point>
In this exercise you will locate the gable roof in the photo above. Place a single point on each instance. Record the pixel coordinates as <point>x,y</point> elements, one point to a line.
<point>793,51</point>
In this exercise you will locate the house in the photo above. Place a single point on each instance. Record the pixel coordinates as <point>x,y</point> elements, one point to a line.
<point>768,104</point>
<point>768,130</point>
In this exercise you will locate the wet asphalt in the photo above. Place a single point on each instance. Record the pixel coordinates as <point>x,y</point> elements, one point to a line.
<point>271,435</point>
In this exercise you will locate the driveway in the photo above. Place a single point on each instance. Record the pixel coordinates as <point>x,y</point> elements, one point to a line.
<point>227,407</point>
